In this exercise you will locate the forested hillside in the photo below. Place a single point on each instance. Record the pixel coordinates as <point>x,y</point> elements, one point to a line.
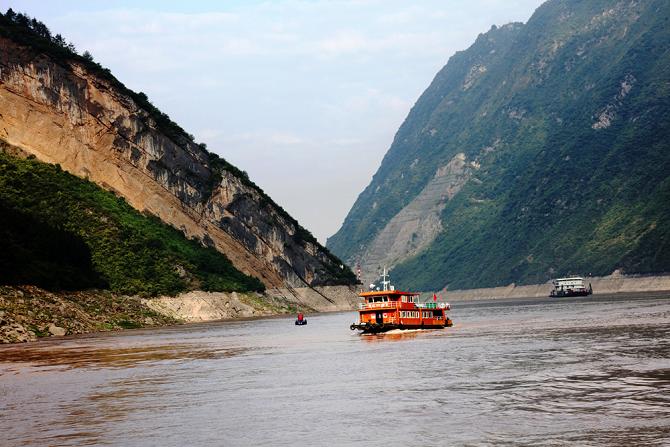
<point>541,150</point>
<point>61,232</point>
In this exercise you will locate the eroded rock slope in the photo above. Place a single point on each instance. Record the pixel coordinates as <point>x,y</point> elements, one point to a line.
<point>65,111</point>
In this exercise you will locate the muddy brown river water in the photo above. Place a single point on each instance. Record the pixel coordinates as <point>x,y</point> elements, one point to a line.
<point>583,371</point>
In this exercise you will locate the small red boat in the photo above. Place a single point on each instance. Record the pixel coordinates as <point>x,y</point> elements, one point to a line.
<point>301,320</point>
<point>385,310</point>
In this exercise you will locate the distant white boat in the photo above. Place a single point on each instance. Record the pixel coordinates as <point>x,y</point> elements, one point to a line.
<point>573,286</point>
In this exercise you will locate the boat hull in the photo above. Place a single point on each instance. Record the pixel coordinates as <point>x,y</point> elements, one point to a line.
<point>561,294</point>
<point>376,328</point>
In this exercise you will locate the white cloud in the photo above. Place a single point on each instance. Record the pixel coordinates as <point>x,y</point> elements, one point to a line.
<point>344,41</point>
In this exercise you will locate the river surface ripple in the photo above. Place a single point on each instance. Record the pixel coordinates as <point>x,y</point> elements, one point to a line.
<point>587,371</point>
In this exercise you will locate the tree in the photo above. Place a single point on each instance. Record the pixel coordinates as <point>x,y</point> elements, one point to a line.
<point>58,40</point>
<point>23,20</point>
<point>41,29</point>
<point>88,56</point>
<point>11,15</point>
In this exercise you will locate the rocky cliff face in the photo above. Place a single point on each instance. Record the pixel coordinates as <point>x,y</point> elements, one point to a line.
<point>539,151</point>
<point>61,112</point>
<point>417,225</point>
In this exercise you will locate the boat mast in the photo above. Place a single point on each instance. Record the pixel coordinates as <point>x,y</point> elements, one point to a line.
<point>385,281</point>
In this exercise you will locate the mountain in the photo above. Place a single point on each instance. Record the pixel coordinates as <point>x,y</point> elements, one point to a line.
<point>539,151</point>
<point>58,231</point>
<point>64,108</point>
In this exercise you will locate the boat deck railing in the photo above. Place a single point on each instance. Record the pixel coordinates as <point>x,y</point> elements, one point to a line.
<point>381,305</point>
<point>396,305</point>
<point>432,305</point>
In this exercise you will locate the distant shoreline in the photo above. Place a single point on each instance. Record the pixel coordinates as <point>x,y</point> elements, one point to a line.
<point>28,313</point>
<point>615,283</point>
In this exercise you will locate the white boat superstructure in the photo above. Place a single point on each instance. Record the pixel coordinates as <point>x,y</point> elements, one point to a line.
<point>571,286</point>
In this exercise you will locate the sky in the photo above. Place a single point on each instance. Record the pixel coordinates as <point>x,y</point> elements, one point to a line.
<point>306,96</point>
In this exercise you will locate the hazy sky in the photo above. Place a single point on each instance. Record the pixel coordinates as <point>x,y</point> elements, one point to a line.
<point>305,96</point>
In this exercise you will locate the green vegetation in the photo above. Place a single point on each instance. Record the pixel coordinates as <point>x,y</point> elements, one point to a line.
<point>128,324</point>
<point>59,231</point>
<point>554,193</point>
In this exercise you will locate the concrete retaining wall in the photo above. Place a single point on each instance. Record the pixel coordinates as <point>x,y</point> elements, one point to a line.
<point>601,285</point>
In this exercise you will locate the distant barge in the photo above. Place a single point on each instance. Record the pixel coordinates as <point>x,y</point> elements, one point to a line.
<point>573,286</point>
<point>385,310</point>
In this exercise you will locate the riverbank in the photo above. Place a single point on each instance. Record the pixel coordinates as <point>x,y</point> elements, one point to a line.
<point>611,284</point>
<point>198,306</point>
<point>28,313</point>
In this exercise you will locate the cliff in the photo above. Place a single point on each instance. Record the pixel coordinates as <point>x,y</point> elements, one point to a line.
<point>539,151</point>
<point>67,110</point>
<point>62,232</point>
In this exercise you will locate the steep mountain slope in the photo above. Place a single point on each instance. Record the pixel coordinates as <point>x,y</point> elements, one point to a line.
<point>66,109</point>
<point>541,150</point>
<point>58,231</point>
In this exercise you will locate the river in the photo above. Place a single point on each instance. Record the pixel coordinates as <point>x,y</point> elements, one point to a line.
<point>582,371</point>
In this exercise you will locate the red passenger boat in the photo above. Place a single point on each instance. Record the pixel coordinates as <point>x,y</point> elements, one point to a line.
<point>385,310</point>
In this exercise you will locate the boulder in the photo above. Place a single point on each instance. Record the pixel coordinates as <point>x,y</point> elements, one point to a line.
<point>56,330</point>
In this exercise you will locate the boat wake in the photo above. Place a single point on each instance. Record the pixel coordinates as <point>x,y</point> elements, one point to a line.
<point>400,331</point>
